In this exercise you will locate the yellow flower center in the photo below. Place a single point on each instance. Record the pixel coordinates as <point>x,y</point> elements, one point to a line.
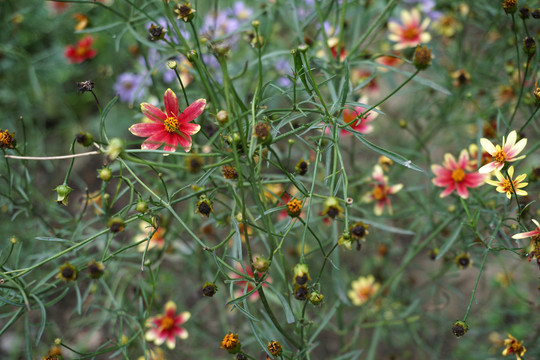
<point>507,185</point>
<point>365,292</point>
<point>171,124</point>
<point>458,175</point>
<point>379,193</point>
<point>167,323</point>
<point>499,155</point>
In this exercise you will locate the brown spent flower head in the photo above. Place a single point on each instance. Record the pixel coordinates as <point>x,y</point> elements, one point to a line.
<point>301,292</point>
<point>156,32</point>
<point>461,77</point>
<point>95,269</point>
<point>262,132</point>
<point>524,12</point>
<point>185,12</point>
<point>204,206</point>
<point>67,272</point>
<point>275,348</point>
<point>332,208</point>
<point>50,357</point>
<point>509,6</point>
<point>463,260</point>
<point>241,357</point>
<point>209,289</point>
<point>7,141</point>
<point>85,139</point>
<point>55,350</point>
<point>294,208</point>
<point>301,274</point>
<point>231,343</point>
<point>460,328</point>
<point>229,172</point>
<point>116,224</point>
<point>422,57</point>
<point>359,231</point>
<point>194,163</point>
<point>536,13</point>
<point>301,167</point>
<point>84,86</point>
<point>529,46</point>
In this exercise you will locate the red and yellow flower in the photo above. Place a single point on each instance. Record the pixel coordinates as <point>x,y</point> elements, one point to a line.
<point>454,176</point>
<point>76,54</point>
<point>357,122</point>
<point>170,127</point>
<point>167,326</point>
<point>513,346</point>
<point>381,191</point>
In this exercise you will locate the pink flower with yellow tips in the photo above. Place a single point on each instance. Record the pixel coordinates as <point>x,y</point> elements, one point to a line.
<point>410,32</point>
<point>381,191</point>
<point>502,154</point>
<point>169,127</point>
<point>361,124</point>
<point>167,326</point>
<point>453,175</point>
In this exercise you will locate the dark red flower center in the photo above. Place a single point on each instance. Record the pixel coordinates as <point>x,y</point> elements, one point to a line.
<point>167,323</point>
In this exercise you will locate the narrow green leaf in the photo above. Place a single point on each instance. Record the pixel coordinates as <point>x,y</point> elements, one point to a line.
<point>286,308</point>
<point>448,244</point>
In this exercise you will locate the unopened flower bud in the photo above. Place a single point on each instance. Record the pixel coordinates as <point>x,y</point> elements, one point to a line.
<point>402,124</point>
<point>255,24</point>
<point>115,148</point>
<point>192,55</point>
<point>261,264</point>
<point>95,269</point>
<point>141,206</point>
<point>303,48</point>
<point>13,240</point>
<point>172,64</point>
<point>222,117</point>
<point>105,174</point>
<point>63,192</point>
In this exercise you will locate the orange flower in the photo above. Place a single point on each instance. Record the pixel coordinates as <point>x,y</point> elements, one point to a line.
<point>82,51</point>
<point>363,289</point>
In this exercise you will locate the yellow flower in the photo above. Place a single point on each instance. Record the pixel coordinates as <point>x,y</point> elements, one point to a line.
<point>275,348</point>
<point>514,347</point>
<point>363,289</point>
<point>504,185</point>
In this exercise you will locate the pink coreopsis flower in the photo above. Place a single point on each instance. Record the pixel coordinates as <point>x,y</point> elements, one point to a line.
<point>245,285</point>
<point>169,127</point>
<point>454,176</point>
<point>362,124</point>
<point>501,155</point>
<point>381,190</point>
<point>167,326</point>
<point>410,32</point>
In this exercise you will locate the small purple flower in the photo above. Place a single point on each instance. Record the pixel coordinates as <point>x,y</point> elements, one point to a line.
<point>129,87</point>
<point>283,67</point>
<point>427,8</point>
<point>241,11</point>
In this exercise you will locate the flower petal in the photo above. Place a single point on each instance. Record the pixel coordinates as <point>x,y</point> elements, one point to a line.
<point>192,111</point>
<point>525,234</point>
<point>153,113</point>
<point>462,190</point>
<point>450,189</point>
<point>171,103</point>
<point>510,140</point>
<point>189,129</point>
<point>146,129</point>
<point>154,141</point>
<point>488,146</point>
<point>492,166</point>
<point>516,149</point>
